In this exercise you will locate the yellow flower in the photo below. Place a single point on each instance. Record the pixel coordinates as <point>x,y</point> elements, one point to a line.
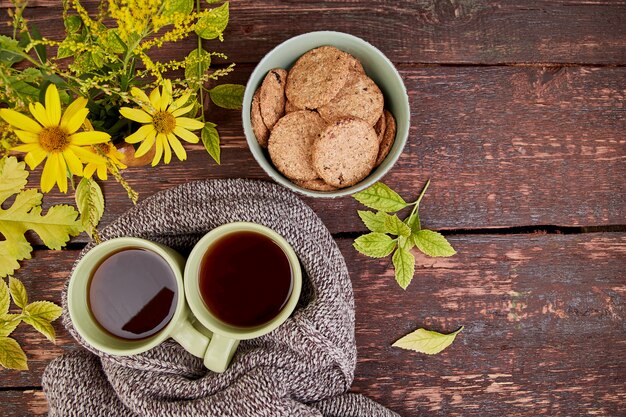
<point>114,156</point>
<point>54,136</point>
<point>163,124</point>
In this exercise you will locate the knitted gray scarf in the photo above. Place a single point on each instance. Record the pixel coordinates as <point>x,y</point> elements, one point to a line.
<point>303,368</point>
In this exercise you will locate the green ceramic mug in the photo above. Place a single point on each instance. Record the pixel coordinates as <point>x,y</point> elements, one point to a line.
<point>180,327</point>
<point>226,337</point>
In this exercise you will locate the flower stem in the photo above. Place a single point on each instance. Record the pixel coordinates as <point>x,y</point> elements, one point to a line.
<point>200,92</point>
<point>416,204</point>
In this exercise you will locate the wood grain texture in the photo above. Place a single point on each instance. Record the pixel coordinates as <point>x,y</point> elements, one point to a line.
<point>425,31</point>
<point>544,320</point>
<point>503,146</point>
<point>23,403</point>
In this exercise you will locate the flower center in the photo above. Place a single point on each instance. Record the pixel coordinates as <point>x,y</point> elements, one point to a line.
<point>54,139</point>
<point>163,122</point>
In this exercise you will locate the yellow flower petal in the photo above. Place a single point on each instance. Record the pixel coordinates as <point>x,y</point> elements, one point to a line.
<point>140,134</point>
<point>27,137</point>
<point>62,174</point>
<point>34,158</point>
<point>102,172</point>
<point>166,95</point>
<point>155,98</point>
<point>186,135</point>
<point>181,101</point>
<point>89,138</point>
<point>50,172</point>
<point>39,113</point>
<point>167,151</point>
<point>28,147</point>
<point>76,121</point>
<point>145,146</point>
<point>182,110</point>
<point>53,106</point>
<point>142,99</point>
<point>75,106</point>
<point>74,164</point>
<point>86,155</point>
<point>137,115</point>
<point>20,121</point>
<point>158,152</point>
<point>188,123</point>
<point>90,168</point>
<point>177,147</point>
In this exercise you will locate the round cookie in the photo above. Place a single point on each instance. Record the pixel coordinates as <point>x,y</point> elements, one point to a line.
<point>272,97</point>
<point>315,185</point>
<point>291,141</point>
<point>345,152</point>
<point>388,138</point>
<point>317,76</point>
<point>355,64</point>
<point>258,126</point>
<point>360,97</point>
<point>380,127</point>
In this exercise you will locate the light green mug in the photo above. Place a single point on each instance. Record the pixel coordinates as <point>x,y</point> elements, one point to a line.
<point>180,327</point>
<point>226,337</point>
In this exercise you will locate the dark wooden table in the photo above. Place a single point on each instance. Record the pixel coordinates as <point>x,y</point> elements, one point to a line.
<point>518,118</point>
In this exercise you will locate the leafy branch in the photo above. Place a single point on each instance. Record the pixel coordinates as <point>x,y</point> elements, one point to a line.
<point>38,314</point>
<point>390,235</point>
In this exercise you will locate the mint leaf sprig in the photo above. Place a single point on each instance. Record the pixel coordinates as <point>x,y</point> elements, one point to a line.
<point>390,235</point>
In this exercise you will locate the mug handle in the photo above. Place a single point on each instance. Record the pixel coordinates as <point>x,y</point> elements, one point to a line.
<point>219,353</point>
<point>190,338</point>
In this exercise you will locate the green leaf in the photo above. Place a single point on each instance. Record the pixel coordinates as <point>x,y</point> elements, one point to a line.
<point>40,49</point>
<point>395,226</point>
<point>228,96</point>
<point>405,242</point>
<point>44,310</point>
<point>375,245</point>
<point>196,64</point>
<point>54,228</point>
<point>8,323</point>
<point>18,292</point>
<point>380,197</point>
<point>24,89</point>
<point>426,341</point>
<point>90,203</point>
<point>213,25</point>
<point>13,177</point>
<point>112,43</point>
<point>404,264</point>
<point>433,243</point>
<point>11,354</point>
<point>211,140</point>
<point>5,299</point>
<point>174,7</point>
<point>10,51</point>
<point>39,315</point>
<point>413,222</point>
<point>374,221</point>
<point>72,23</point>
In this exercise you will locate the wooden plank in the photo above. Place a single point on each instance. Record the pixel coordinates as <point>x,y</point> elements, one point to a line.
<point>425,31</point>
<point>544,318</point>
<point>504,147</point>
<point>23,403</point>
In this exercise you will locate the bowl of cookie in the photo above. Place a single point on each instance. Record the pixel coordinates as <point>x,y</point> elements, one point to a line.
<point>326,114</point>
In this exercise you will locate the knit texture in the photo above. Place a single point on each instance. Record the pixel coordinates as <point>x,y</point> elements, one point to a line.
<point>303,368</point>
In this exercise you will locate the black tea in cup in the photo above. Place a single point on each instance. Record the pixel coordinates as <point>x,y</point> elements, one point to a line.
<point>132,293</point>
<point>245,279</point>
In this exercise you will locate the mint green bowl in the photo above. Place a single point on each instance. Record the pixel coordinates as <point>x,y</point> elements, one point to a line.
<point>377,66</point>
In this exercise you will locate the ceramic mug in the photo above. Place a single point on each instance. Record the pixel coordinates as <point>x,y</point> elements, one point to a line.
<point>180,327</point>
<point>226,337</point>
